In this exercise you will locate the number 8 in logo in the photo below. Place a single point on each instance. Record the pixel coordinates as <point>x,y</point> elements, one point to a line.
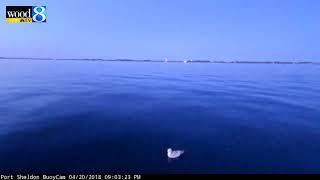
<point>39,14</point>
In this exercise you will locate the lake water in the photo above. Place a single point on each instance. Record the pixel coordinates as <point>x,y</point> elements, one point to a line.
<point>120,117</point>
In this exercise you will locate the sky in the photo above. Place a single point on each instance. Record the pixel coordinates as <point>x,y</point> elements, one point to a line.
<point>176,29</point>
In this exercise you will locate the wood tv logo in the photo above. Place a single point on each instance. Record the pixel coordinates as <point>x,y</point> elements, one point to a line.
<point>26,14</point>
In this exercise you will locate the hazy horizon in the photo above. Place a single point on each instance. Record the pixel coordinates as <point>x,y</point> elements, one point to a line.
<point>194,61</point>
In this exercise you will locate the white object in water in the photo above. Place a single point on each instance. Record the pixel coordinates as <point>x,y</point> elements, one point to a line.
<point>174,154</point>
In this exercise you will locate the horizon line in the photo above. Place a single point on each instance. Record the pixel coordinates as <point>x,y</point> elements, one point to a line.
<point>173,60</point>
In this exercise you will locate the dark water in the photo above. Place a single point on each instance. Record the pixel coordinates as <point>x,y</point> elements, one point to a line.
<point>117,117</point>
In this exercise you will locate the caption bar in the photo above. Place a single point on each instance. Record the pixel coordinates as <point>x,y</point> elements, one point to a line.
<point>69,177</point>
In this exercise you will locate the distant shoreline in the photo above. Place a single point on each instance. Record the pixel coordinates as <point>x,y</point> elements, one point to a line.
<point>168,61</point>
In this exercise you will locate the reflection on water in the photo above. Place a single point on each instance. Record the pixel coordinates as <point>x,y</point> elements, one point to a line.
<point>119,117</point>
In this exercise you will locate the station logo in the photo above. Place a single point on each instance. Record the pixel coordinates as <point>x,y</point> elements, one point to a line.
<point>26,14</point>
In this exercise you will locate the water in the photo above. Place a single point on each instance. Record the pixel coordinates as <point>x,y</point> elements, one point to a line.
<point>120,117</point>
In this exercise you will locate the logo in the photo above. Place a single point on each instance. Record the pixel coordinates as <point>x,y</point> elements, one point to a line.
<point>26,14</point>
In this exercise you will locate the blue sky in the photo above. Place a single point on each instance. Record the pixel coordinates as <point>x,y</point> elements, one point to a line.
<point>155,29</point>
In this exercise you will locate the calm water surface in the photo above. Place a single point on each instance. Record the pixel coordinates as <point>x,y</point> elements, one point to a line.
<point>120,117</point>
